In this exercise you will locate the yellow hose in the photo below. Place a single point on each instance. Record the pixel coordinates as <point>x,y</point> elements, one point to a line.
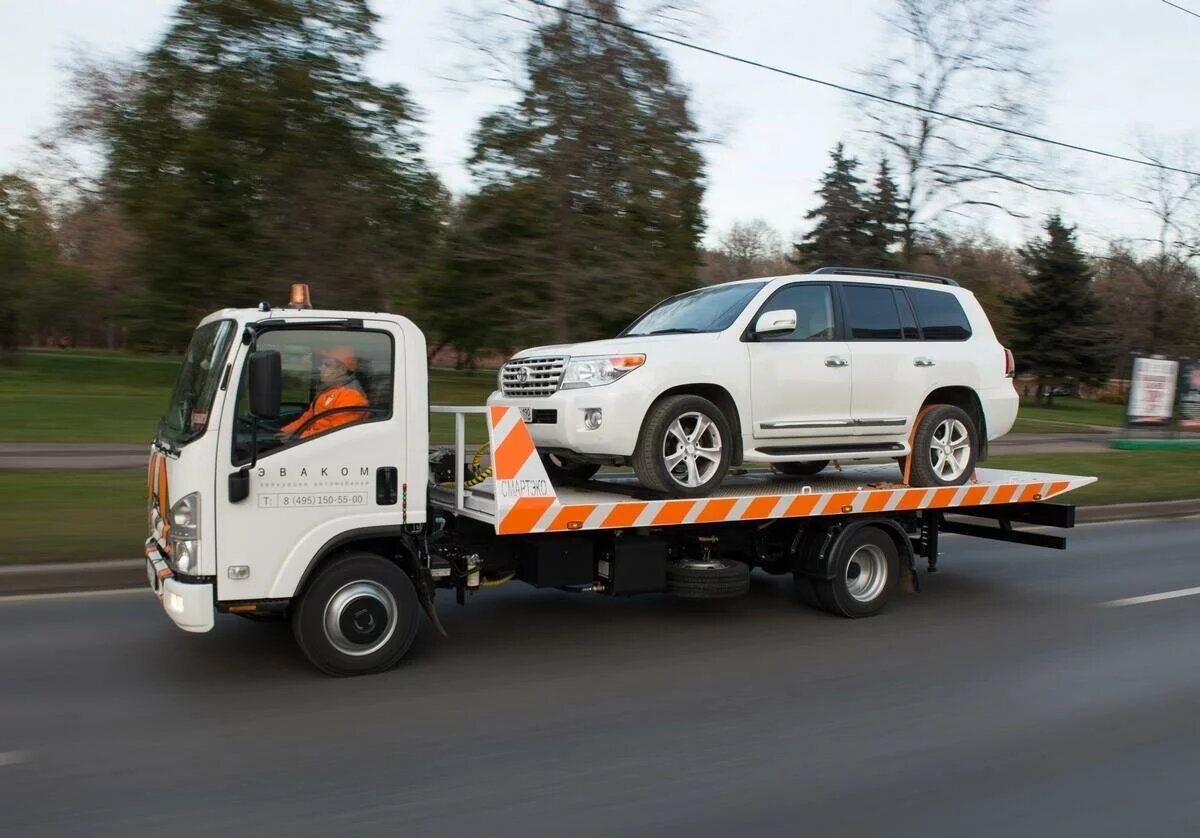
<point>479,477</point>
<point>493,583</point>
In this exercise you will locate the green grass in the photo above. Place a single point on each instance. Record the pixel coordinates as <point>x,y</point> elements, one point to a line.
<point>50,516</point>
<point>58,516</point>
<point>1068,415</point>
<point>65,396</point>
<point>1124,476</point>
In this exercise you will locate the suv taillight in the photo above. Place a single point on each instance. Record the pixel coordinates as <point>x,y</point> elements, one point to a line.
<point>1010,363</point>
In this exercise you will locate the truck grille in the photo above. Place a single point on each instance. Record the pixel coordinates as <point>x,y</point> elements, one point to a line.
<point>532,376</point>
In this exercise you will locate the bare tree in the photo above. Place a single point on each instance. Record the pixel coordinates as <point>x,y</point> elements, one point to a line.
<point>972,59</point>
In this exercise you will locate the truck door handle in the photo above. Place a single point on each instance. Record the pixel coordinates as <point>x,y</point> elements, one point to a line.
<point>835,361</point>
<point>923,362</point>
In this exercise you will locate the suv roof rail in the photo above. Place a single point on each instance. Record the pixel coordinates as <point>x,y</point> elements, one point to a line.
<point>942,280</point>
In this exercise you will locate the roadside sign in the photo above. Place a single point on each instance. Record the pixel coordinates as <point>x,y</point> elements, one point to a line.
<point>1152,391</point>
<point>1189,395</point>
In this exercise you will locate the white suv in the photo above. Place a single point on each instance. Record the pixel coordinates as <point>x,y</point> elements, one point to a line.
<point>795,371</point>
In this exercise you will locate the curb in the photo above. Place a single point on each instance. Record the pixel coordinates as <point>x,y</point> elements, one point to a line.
<point>72,577</point>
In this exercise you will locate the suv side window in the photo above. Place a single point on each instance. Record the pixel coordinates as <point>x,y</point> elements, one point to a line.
<point>940,314</point>
<point>327,376</point>
<point>813,305</point>
<point>871,312</point>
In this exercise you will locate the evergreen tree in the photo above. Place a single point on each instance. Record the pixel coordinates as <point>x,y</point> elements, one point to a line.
<point>590,185</point>
<point>840,235</point>
<point>1056,328</point>
<point>885,220</point>
<point>249,150</point>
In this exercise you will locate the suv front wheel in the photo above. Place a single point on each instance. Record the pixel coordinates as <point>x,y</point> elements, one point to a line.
<point>684,448</point>
<point>945,447</point>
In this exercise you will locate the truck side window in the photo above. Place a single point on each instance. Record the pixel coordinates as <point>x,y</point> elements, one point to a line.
<point>813,305</point>
<point>332,380</point>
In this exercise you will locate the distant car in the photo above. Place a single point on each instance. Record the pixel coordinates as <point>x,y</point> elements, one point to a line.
<point>793,371</point>
<point>1063,390</point>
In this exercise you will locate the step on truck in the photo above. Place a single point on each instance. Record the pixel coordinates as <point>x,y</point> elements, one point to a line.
<point>340,517</point>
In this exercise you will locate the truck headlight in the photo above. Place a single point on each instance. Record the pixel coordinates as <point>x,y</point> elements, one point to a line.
<point>596,370</point>
<point>185,534</point>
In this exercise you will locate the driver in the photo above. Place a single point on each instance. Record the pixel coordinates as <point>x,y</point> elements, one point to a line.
<point>339,389</point>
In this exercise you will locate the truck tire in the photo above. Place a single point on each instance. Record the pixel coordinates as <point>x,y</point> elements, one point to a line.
<point>800,469</point>
<point>707,578</point>
<point>945,447</point>
<point>559,469</point>
<point>684,448</point>
<point>865,569</point>
<point>358,616</point>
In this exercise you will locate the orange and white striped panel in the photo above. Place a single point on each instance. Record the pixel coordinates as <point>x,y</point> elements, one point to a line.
<point>522,488</point>
<point>526,502</point>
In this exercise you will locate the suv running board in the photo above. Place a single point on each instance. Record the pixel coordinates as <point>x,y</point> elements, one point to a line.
<point>893,449</point>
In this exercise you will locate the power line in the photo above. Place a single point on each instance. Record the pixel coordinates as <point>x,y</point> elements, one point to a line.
<point>991,126</point>
<point>1181,8</point>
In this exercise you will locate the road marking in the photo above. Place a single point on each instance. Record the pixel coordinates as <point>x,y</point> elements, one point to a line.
<point>13,758</point>
<point>1139,600</point>
<point>17,598</point>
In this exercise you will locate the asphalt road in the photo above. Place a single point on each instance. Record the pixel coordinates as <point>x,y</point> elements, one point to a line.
<point>1003,700</point>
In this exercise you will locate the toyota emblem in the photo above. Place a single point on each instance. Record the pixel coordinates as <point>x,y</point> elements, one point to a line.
<point>522,374</point>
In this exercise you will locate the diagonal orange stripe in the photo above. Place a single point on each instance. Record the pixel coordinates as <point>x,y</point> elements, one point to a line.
<point>801,505</point>
<point>876,501</point>
<point>524,515</point>
<point>1058,488</point>
<point>623,515</point>
<point>1004,494</point>
<point>943,497</point>
<point>1032,489</point>
<point>760,507</point>
<point>838,500</point>
<point>716,510</point>
<point>674,511</point>
<point>571,514</point>
<point>911,499</point>
<point>975,496</point>
<point>497,413</point>
<point>512,452</point>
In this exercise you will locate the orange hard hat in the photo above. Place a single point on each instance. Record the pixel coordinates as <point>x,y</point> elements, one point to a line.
<point>344,355</point>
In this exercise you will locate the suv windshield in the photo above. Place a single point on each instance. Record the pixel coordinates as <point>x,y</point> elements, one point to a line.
<point>188,412</point>
<point>706,310</point>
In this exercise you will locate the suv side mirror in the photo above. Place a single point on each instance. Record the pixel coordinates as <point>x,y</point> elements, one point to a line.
<point>773,322</point>
<point>265,384</point>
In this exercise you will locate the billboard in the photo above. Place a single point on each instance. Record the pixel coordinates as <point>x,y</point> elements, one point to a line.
<point>1189,396</point>
<point>1152,391</point>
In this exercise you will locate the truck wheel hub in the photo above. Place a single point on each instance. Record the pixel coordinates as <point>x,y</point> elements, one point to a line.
<point>360,618</point>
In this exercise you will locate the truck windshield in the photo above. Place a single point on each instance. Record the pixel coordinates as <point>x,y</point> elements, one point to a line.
<point>707,310</point>
<point>188,412</point>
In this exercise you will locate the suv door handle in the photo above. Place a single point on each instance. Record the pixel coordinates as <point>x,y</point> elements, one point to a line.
<point>923,362</point>
<point>835,361</point>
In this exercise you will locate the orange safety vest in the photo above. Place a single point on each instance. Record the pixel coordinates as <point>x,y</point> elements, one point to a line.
<point>334,397</point>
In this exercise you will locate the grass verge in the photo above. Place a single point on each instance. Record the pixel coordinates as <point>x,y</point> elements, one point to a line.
<point>1068,415</point>
<point>1124,476</point>
<point>53,516</point>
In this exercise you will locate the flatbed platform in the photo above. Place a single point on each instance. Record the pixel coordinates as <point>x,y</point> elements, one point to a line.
<point>520,499</point>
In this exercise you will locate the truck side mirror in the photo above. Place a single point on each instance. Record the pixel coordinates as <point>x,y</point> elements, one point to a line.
<point>774,322</point>
<point>265,383</point>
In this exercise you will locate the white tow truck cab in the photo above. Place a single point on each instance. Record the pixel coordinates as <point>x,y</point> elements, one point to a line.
<point>292,478</point>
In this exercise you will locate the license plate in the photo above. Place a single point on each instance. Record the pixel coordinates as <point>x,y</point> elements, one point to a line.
<point>526,414</point>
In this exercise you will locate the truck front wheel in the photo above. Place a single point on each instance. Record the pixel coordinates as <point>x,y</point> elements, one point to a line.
<point>359,615</point>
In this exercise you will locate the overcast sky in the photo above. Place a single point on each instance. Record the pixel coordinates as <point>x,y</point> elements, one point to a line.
<point>1118,68</point>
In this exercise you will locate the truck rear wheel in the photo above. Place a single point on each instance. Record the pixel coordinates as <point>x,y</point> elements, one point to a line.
<point>865,568</point>
<point>359,615</point>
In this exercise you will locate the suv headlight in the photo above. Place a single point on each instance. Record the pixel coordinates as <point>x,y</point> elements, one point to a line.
<point>185,534</point>
<point>596,370</point>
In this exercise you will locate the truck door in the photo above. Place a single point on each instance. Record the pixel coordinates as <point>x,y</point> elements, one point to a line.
<point>321,468</point>
<point>800,380</point>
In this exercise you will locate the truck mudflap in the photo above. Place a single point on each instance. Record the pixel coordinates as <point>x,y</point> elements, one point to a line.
<point>526,502</point>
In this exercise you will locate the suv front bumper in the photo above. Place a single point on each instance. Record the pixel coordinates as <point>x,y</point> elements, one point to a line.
<point>623,409</point>
<point>188,604</point>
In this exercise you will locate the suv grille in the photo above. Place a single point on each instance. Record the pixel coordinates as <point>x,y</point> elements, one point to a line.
<point>532,376</point>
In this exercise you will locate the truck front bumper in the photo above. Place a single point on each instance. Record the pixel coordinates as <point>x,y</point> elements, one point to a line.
<point>188,604</point>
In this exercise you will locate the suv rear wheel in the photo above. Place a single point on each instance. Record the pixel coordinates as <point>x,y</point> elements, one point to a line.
<point>945,447</point>
<point>684,448</point>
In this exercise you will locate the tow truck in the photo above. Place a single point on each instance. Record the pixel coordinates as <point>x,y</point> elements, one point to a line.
<point>352,532</point>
